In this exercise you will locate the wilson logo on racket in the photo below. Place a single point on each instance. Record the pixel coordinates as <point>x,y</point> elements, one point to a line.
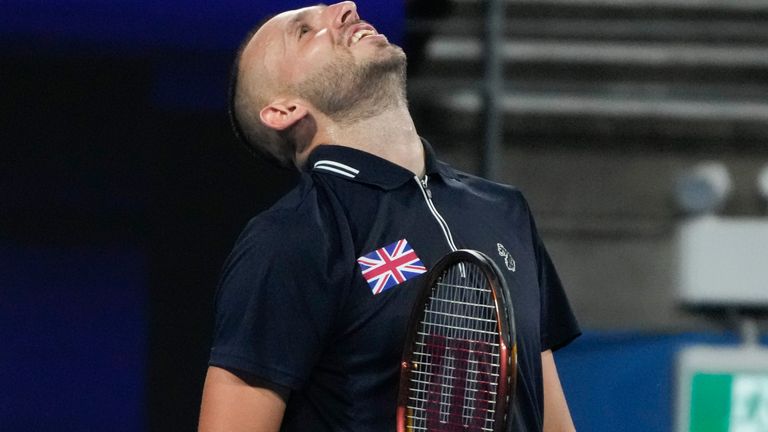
<point>390,266</point>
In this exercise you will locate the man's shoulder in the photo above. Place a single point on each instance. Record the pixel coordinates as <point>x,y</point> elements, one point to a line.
<point>299,218</point>
<point>491,189</point>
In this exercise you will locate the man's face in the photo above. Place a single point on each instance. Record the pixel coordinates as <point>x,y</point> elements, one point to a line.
<point>325,54</point>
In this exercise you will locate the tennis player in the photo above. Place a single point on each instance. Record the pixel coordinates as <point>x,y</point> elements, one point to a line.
<point>314,300</point>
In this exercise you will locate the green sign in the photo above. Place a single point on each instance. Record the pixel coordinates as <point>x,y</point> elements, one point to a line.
<point>729,403</point>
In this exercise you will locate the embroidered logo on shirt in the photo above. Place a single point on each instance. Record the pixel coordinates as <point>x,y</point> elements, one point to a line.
<point>390,266</point>
<point>508,260</point>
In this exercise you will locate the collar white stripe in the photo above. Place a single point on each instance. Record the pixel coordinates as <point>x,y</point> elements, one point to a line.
<point>337,171</point>
<point>337,165</point>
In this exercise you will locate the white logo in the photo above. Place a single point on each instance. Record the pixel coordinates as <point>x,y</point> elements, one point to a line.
<point>508,260</point>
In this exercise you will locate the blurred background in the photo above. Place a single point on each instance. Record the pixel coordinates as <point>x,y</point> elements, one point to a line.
<point>122,188</point>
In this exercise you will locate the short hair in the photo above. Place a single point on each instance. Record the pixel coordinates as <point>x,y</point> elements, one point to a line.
<point>259,140</point>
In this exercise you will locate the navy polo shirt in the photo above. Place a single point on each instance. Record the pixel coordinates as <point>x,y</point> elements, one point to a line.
<point>294,310</point>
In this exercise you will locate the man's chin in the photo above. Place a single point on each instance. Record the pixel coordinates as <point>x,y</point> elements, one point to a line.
<point>353,89</point>
<point>392,59</point>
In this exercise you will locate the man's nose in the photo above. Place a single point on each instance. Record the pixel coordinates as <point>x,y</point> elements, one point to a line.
<point>343,13</point>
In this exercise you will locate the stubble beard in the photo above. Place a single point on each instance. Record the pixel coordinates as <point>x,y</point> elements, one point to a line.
<point>348,92</point>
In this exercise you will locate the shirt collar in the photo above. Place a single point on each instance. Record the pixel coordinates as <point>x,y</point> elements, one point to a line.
<point>356,165</point>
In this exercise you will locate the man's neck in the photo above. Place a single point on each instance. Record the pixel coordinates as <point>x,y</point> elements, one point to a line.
<point>390,135</point>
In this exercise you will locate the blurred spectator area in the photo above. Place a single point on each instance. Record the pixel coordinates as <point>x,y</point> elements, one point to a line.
<point>604,103</point>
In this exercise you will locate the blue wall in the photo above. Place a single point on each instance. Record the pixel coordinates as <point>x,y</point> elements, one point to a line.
<point>625,381</point>
<point>73,331</point>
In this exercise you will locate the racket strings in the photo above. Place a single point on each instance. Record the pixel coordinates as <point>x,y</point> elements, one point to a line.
<point>456,356</point>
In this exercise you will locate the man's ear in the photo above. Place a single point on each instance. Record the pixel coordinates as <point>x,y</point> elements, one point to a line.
<point>281,115</point>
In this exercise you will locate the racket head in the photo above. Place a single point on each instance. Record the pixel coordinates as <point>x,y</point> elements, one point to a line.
<point>440,361</point>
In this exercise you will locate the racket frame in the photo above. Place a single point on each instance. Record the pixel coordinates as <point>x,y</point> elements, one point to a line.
<point>505,326</point>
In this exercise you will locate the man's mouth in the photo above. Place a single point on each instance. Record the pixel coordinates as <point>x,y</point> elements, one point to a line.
<point>360,31</point>
<point>361,34</point>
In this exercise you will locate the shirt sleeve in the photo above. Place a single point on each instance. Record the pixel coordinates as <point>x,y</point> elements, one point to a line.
<point>558,324</point>
<point>274,303</point>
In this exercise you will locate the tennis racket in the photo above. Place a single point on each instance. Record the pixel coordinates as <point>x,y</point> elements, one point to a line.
<point>460,358</point>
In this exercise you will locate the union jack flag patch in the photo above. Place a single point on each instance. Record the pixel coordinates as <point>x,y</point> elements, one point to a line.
<point>391,265</point>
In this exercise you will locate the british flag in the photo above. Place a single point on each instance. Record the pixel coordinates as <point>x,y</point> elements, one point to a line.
<point>390,266</point>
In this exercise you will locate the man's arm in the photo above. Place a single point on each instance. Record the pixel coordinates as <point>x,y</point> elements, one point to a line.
<point>232,405</point>
<point>557,418</point>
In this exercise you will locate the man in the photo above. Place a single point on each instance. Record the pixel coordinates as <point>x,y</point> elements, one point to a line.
<point>303,341</point>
